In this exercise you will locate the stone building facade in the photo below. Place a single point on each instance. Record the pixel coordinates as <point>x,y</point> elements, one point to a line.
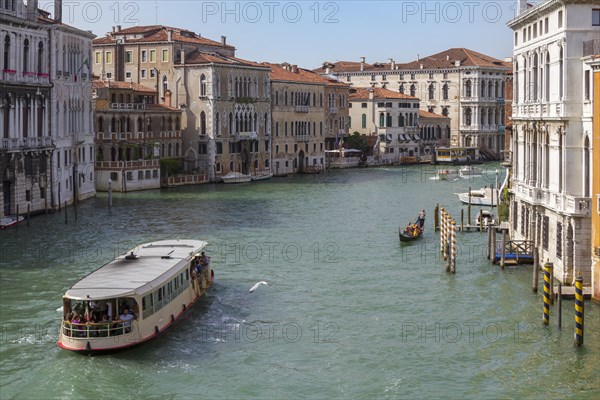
<point>551,148</point>
<point>46,153</point>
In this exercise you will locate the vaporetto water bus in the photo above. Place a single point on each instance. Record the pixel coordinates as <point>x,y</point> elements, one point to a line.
<point>135,297</point>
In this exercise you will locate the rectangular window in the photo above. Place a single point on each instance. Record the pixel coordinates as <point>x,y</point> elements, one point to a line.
<point>529,32</point>
<point>560,19</point>
<point>152,73</point>
<point>114,176</point>
<point>165,55</point>
<point>143,73</point>
<point>109,57</point>
<point>152,56</point>
<point>140,175</point>
<point>129,56</point>
<point>363,105</point>
<point>524,35</point>
<point>128,74</point>
<point>202,148</point>
<point>144,56</point>
<point>535,30</point>
<point>129,176</point>
<point>148,174</point>
<point>546,25</point>
<point>155,173</point>
<point>28,195</point>
<point>109,75</point>
<point>219,148</point>
<point>98,57</point>
<point>412,76</point>
<point>596,17</point>
<point>587,84</point>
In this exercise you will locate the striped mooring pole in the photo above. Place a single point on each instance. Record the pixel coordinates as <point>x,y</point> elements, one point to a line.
<point>547,289</point>
<point>579,306</point>
<point>453,247</point>
<point>442,230</point>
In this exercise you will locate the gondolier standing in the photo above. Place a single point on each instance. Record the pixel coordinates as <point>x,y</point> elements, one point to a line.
<point>422,218</point>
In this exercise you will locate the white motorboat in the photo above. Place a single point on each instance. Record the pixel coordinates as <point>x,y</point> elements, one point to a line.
<point>262,177</point>
<point>135,297</point>
<point>484,197</point>
<point>236,177</point>
<point>10,220</point>
<point>488,218</point>
<point>447,174</point>
<point>469,170</point>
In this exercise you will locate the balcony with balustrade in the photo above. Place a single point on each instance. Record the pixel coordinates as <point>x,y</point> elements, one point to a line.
<point>27,143</point>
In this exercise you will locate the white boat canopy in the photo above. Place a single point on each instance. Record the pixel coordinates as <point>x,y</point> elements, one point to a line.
<point>142,269</point>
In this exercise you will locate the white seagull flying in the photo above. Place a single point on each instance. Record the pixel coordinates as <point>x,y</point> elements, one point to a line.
<point>257,284</point>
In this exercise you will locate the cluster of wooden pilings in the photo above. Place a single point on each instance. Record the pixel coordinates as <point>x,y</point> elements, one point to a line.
<point>447,226</point>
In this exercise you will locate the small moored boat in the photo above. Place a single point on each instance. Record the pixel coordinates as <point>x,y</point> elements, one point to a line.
<point>10,220</point>
<point>262,177</point>
<point>236,177</point>
<point>135,297</point>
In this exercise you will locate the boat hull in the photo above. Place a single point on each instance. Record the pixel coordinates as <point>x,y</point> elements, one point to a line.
<point>406,238</point>
<point>478,201</point>
<point>107,345</point>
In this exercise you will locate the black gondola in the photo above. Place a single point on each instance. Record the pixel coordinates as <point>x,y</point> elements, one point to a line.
<point>407,236</point>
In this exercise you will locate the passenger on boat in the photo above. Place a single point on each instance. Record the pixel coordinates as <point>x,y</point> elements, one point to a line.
<point>409,230</point>
<point>76,325</point>
<point>204,261</point>
<point>415,230</point>
<point>126,317</point>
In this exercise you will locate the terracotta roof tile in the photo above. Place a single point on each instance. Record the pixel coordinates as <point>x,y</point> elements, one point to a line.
<point>158,33</point>
<point>201,57</point>
<point>378,93</point>
<point>292,73</point>
<point>100,84</point>
<point>427,114</point>
<point>444,59</point>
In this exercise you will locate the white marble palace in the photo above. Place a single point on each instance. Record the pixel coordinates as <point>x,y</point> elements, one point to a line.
<point>46,152</point>
<point>551,146</point>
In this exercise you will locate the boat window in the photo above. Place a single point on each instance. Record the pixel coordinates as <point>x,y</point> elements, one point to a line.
<point>97,318</point>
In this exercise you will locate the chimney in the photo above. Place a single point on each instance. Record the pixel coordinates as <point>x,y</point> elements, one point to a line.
<point>295,68</point>
<point>327,70</point>
<point>447,57</point>
<point>168,98</point>
<point>58,10</point>
<point>170,35</point>
<point>32,10</point>
<point>362,63</point>
<point>182,56</point>
<point>114,29</point>
<point>392,64</point>
<point>224,40</point>
<point>521,6</point>
<point>118,28</point>
<point>421,66</point>
<point>371,94</point>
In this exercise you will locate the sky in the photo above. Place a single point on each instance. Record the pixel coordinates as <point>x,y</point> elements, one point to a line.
<point>310,32</point>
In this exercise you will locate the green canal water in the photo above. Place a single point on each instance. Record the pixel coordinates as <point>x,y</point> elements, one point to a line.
<point>352,313</point>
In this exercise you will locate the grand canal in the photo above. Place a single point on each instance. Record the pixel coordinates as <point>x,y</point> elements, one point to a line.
<point>351,314</point>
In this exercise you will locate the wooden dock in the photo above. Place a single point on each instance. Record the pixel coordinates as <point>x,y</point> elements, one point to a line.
<point>568,292</point>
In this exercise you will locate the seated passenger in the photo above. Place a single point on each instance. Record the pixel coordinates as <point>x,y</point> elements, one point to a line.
<point>126,317</point>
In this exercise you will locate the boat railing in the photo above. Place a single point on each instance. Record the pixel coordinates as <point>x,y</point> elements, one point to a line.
<point>98,329</point>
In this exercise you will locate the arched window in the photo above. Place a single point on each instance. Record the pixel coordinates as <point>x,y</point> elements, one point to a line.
<point>277,128</point>
<point>445,91</point>
<point>468,115</point>
<point>483,89</point>
<point>401,88</point>
<point>534,87</point>
<point>165,85</point>
<point>586,167</point>
<point>388,120</point>
<point>547,77</point>
<point>401,120</point>
<point>217,124</point>
<point>203,123</point>
<point>40,58</point>
<point>516,83</point>
<point>413,90</point>
<point>7,52</point>
<point>445,111</point>
<point>431,92</point>
<point>230,123</point>
<point>560,74</point>
<point>100,124</point>
<point>276,98</point>
<point>26,55</point>
<point>381,120</point>
<point>202,85</point>
<point>468,88</point>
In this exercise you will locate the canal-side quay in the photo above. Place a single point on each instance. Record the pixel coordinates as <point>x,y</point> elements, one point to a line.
<point>352,312</point>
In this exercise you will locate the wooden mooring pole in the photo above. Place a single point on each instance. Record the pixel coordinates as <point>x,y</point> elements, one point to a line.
<point>66,213</point>
<point>503,252</point>
<point>436,218</point>
<point>579,311</point>
<point>480,220</point>
<point>489,243</point>
<point>469,208</point>
<point>536,270</point>
<point>493,246</point>
<point>559,299</point>
<point>462,220</point>
<point>28,214</point>
<point>17,216</point>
